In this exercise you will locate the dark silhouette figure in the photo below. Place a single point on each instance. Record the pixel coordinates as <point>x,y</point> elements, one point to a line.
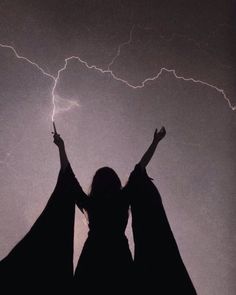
<point>105,265</point>
<point>106,262</point>
<point>43,259</point>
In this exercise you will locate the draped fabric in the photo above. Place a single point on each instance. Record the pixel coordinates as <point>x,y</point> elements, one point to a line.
<point>43,260</point>
<point>105,265</point>
<point>159,268</point>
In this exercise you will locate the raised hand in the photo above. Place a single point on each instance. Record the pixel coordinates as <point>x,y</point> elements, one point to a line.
<point>57,138</point>
<point>159,135</point>
<point>62,152</point>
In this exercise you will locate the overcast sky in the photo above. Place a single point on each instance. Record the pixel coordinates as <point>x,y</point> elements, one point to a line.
<point>113,124</point>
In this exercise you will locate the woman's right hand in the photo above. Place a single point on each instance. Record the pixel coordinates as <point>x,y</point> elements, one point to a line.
<point>58,140</point>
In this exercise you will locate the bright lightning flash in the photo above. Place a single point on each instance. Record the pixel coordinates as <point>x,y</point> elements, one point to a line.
<point>64,105</point>
<point>61,105</point>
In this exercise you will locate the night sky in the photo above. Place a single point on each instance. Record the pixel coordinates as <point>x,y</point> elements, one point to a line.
<point>113,123</point>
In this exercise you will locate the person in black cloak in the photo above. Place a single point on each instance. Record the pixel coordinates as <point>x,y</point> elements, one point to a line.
<point>159,268</point>
<point>105,264</point>
<point>42,261</point>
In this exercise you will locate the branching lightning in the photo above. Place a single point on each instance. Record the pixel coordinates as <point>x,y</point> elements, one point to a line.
<point>119,48</point>
<point>55,80</point>
<point>62,105</point>
<point>68,104</point>
<point>143,83</point>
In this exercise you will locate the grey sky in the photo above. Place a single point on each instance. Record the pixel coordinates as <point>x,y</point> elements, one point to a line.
<point>194,167</point>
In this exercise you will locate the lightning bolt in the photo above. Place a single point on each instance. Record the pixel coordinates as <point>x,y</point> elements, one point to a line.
<point>62,105</point>
<point>69,104</point>
<point>143,83</point>
<point>119,48</point>
<point>55,98</point>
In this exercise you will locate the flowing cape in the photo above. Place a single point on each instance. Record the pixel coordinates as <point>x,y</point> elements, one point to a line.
<point>158,263</point>
<point>43,259</point>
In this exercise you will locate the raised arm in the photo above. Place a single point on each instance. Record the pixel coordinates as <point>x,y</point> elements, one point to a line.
<point>70,180</point>
<point>61,146</point>
<point>158,136</point>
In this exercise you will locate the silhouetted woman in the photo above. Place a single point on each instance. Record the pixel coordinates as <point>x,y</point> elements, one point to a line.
<point>105,265</point>
<point>43,259</point>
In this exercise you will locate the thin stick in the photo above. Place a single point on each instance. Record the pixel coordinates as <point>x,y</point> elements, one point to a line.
<point>54,127</point>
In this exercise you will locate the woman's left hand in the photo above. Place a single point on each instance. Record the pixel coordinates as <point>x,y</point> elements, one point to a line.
<point>159,135</point>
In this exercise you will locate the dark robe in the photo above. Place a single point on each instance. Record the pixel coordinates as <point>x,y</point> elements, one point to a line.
<point>159,268</point>
<point>42,261</point>
<point>105,265</point>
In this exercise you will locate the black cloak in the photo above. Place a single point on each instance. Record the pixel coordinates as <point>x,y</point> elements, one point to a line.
<point>42,261</point>
<point>159,268</point>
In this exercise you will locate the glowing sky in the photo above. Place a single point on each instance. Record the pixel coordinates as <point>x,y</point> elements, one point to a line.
<point>111,123</point>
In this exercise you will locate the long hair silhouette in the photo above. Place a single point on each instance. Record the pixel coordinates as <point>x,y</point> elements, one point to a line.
<point>44,257</point>
<point>105,183</point>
